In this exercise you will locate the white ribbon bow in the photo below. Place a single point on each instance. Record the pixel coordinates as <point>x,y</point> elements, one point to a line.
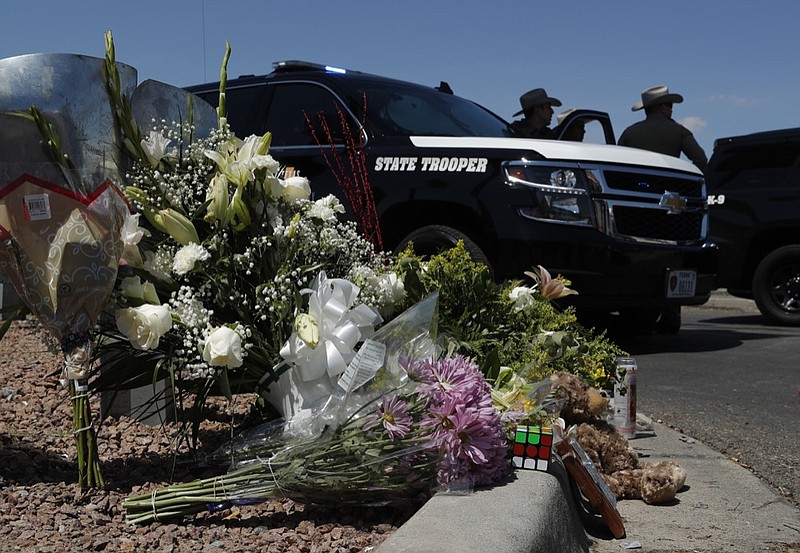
<point>341,327</point>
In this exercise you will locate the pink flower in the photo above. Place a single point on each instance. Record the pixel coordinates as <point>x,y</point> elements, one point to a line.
<point>393,415</point>
<point>551,288</point>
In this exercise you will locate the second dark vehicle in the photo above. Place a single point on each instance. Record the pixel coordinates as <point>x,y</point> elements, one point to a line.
<point>754,199</point>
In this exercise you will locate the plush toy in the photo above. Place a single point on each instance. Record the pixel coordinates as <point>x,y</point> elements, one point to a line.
<point>612,455</point>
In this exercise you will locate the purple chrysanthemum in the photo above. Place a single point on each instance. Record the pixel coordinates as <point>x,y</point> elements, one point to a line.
<point>465,426</point>
<point>456,376</point>
<point>471,440</point>
<point>393,415</point>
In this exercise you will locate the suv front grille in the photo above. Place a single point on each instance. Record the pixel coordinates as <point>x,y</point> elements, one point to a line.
<point>653,183</point>
<point>657,224</point>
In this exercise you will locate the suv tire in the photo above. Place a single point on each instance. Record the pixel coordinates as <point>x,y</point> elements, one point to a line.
<point>433,239</point>
<point>776,286</point>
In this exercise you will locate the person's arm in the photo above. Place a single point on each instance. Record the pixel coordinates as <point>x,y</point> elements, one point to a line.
<point>693,151</point>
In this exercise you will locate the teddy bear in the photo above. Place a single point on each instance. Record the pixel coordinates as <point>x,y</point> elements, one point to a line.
<point>583,408</point>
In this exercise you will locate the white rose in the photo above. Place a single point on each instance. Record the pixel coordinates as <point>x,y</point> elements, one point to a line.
<point>223,347</point>
<point>143,326</point>
<point>187,256</point>
<point>133,288</point>
<point>392,288</point>
<point>296,188</point>
<point>522,296</point>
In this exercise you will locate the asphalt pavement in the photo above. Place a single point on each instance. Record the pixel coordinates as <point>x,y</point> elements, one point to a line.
<point>723,507</point>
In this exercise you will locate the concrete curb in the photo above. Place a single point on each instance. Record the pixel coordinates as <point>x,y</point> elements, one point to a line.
<point>533,512</point>
<point>720,299</point>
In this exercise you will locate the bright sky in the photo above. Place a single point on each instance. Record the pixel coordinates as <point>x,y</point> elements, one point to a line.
<point>735,62</point>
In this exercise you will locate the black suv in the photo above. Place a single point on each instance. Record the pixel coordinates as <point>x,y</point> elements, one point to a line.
<point>754,199</point>
<point>628,227</point>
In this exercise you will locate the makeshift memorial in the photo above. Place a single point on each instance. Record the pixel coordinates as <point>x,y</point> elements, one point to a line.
<point>396,426</point>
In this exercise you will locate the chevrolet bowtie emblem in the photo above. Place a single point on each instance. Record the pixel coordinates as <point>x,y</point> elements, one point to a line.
<point>673,202</point>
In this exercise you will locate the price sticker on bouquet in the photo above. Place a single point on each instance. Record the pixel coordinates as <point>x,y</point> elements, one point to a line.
<point>369,358</point>
<point>37,207</point>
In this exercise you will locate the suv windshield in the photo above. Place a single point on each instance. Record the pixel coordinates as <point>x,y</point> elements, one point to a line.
<point>398,110</point>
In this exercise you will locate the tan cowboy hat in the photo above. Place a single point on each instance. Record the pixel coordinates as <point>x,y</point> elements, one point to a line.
<point>535,97</point>
<point>563,115</point>
<point>657,95</point>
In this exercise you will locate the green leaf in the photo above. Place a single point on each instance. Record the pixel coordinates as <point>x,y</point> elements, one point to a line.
<point>224,384</point>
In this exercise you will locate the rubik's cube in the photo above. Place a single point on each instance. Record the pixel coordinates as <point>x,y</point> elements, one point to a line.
<point>532,447</point>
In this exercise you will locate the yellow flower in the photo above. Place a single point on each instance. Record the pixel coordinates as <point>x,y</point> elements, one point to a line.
<point>307,329</point>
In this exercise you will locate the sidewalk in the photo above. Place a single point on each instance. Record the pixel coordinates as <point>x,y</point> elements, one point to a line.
<point>723,507</point>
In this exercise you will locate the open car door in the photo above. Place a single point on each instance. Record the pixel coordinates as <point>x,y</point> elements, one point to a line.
<point>585,125</point>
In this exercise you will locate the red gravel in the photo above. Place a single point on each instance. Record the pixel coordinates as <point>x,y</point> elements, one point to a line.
<point>43,510</point>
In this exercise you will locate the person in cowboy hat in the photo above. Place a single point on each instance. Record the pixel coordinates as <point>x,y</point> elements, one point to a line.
<point>659,132</point>
<point>537,107</point>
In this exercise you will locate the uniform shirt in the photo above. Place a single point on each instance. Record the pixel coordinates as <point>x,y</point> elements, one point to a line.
<point>523,129</point>
<point>659,134</point>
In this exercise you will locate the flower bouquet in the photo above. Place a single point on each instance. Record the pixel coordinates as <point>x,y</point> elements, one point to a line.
<point>62,259</point>
<point>60,212</point>
<point>234,270</point>
<point>400,423</point>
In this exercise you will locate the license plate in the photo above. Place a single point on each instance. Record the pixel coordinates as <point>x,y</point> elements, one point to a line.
<point>681,284</point>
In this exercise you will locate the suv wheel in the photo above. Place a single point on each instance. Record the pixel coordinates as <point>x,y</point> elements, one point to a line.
<point>776,286</point>
<point>434,239</point>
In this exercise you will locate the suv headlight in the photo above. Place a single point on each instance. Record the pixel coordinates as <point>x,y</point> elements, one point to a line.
<point>558,194</point>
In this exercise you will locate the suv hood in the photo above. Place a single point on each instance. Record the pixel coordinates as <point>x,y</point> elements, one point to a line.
<point>562,151</point>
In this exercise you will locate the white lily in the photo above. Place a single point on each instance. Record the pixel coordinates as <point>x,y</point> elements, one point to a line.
<point>132,234</point>
<point>218,194</point>
<point>523,297</point>
<point>237,159</point>
<point>155,147</point>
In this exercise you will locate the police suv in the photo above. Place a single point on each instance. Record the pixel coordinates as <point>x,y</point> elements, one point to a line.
<point>628,227</point>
